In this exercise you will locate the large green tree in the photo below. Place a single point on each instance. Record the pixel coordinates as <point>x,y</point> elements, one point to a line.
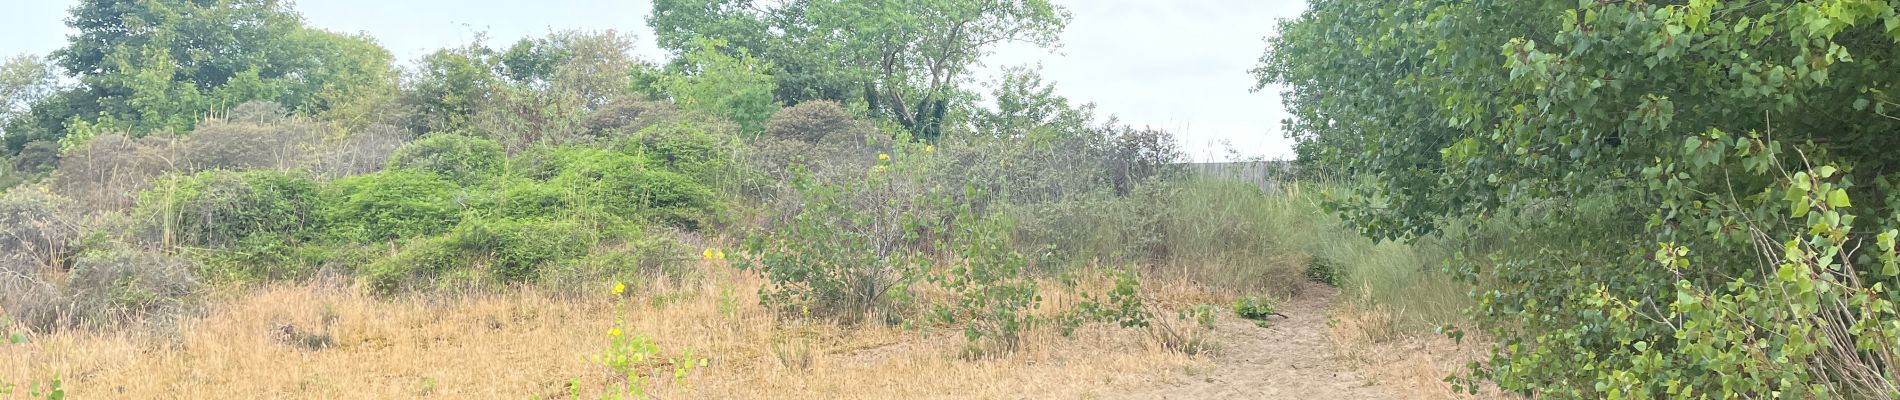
<point>902,59</point>
<point>24,80</point>
<point>1683,178</point>
<point>146,65</point>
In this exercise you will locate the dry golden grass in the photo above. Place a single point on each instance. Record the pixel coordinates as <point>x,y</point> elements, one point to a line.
<point>1414,364</point>
<point>271,343</point>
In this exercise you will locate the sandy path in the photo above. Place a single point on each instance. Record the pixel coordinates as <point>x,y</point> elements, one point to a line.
<point>1292,359</point>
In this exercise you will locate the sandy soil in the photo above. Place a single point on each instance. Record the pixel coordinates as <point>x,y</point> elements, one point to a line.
<point>1291,358</point>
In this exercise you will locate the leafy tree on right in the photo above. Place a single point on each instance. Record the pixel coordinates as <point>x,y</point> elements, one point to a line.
<point>1700,196</point>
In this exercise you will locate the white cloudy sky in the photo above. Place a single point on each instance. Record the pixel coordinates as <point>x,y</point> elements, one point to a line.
<point>1179,65</point>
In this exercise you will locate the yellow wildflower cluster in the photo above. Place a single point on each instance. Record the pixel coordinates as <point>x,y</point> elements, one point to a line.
<point>713,254</point>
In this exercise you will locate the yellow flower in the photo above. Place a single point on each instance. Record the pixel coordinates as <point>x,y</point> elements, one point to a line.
<point>707,254</point>
<point>615,332</point>
<point>883,157</point>
<point>619,288</point>
<point>719,254</point>
<point>929,148</point>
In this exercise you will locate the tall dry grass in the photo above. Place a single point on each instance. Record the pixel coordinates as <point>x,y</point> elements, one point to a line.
<point>329,341</point>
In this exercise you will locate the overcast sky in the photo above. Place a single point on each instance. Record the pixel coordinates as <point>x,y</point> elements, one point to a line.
<point>1179,65</point>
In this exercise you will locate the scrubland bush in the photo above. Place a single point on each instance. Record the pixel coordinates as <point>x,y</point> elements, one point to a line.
<point>844,253</point>
<point>105,288</point>
<point>993,293</point>
<point>222,208</point>
<point>37,157</point>
<point>814,122</point>
<point>626,115</point>
<point>464,160</point>
<point>359,152</point>
<point>415,267</point>
<point>618,184</point>
<point>36,232</point>
<point>281,144</point>
<point>257,112</point>
<point>392,204</point>
<point>708,155</point>
<point>516,250</point>
<point>505,251</point>
<point>108,172</point>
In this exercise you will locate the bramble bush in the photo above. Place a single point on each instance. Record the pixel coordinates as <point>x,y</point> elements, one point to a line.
<point>467,161</point>
<point>221,208</point>
<point>105,288</point>
<point>393,204</point>
<point>617,184</point>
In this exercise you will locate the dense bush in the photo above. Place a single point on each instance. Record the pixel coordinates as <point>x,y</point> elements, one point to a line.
<point>704,152</point>
<point>420,265</point>
<point>517,250</point>
<point>393,204</point>
<point>258,112</point>
<point>625,116</point>
<point>480,251</point>
<point>37,157</point>
<point>109,171</point>
<point>615,183</point>
<point>220,208</point>
<point>461,159</point>
<point>1684,179</point>
<point>359,152</point>
<point>846,252</point>
<point>105,288</point>
<point>814,121</point>
<point>283,145</point>
<point>36,234</point>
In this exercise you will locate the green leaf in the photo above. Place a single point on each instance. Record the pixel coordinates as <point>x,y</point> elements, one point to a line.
<point>1838,199</point>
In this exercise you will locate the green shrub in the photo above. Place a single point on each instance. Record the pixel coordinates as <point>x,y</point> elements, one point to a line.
<point>271,258</point>
<point>392,204</point>
<point>1256,308</point>
<point>479,251</point>
<point>1322,270</point>
<point>993,296</point>
<point>517,250</point>
<point>846,252</point>
<point>716,82</point>
<point>708,155</point>
<point>222,208</point>
<point>617,184</point>
<point>524,198</point>
<point>462,159</point>
<point>1121,305</point>
<point>414,267</point>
